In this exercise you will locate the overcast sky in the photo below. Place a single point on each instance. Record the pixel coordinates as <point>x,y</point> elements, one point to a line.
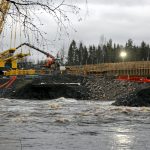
<point>115,19</point>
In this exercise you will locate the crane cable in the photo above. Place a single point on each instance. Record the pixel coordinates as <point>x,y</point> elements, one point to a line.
<point>32,40</point>
<point>13,29</point>
<point>20,32</point>
<point>2,40</point>
<point>15,35</point>
<point>28,35</point>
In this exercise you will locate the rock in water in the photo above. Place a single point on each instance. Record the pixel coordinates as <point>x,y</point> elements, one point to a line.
<point>137,98</point>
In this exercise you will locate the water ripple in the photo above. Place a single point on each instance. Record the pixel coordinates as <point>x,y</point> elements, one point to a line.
<point>72,125</point>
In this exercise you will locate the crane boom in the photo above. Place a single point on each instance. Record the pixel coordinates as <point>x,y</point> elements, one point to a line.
<point>41,51</point>
<point>4,7</point>
<point>50,58</point>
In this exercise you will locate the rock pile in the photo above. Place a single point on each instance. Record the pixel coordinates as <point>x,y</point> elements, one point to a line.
<point>109,88</point>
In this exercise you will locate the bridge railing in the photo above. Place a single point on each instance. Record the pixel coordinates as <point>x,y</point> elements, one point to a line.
<point>122,68</point>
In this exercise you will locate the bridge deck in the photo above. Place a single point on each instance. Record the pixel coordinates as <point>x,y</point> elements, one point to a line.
<point>141,68</point>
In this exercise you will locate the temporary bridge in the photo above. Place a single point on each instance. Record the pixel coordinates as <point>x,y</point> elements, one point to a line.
<point>138,68</point>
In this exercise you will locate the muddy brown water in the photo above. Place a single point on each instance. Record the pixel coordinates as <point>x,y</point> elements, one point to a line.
<point>68,124</point>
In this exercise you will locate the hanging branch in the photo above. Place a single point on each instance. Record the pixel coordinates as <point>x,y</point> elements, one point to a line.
<point>58,9</point>
<point>35,48</point>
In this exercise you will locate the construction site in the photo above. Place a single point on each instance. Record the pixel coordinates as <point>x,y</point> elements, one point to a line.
<point>43,82</point>
<point>50,106</point>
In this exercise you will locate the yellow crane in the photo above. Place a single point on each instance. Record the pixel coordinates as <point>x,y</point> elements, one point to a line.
<point>10,65</point>
<point>7,53</point>
<point>8,61</point>
<point>12,61</point>
<point>4,55</point>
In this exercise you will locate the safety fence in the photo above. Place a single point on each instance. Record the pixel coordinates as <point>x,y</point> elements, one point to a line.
<point>140,68</point>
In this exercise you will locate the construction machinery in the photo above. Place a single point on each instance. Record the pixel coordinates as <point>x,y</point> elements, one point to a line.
<point>10,63</point>
<point>7,53</point>
<point>4,55</point>
<point>51,62</point>
<point>9,60</point>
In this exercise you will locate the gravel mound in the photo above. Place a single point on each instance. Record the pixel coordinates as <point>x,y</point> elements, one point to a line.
<point>102,88</point>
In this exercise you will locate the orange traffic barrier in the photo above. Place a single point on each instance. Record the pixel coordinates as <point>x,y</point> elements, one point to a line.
<point>134,78</point>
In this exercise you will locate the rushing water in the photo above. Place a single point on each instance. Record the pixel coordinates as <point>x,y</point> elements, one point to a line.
<point>67,124</point>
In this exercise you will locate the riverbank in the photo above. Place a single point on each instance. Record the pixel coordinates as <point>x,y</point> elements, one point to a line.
<point>80,87</point>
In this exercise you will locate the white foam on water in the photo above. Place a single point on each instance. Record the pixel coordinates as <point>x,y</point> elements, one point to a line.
<point>65,100</point>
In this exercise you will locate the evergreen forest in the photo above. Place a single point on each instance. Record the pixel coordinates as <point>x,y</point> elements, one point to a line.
<point>108,52</point>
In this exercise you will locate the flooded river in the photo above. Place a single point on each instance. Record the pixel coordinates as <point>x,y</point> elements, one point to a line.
<point>67,124</point>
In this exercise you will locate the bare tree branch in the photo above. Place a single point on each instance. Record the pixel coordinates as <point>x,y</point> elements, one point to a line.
<point>26,10</point>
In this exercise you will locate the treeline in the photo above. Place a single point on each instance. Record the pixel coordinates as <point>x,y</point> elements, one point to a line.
<point>107,53</point>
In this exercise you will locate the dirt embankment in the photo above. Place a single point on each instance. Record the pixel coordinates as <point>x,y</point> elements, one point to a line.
<point>81,87</point>
<point>52,87</point>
